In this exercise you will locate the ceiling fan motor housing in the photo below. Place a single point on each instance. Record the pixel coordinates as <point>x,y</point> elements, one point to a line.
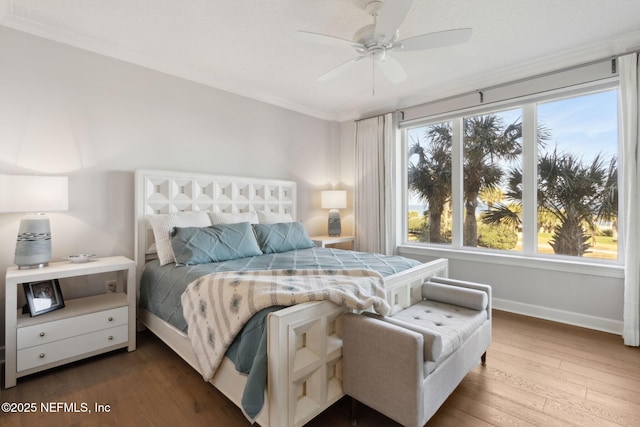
<point>367,37</point>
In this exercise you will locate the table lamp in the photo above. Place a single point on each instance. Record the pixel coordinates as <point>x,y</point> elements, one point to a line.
<point>33,194</point>
<point>334,200</point>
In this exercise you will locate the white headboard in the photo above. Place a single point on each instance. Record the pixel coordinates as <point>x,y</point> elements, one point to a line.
<point>158,191</point>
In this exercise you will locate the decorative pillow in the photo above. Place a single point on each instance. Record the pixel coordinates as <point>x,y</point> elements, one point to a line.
<point>233,218</point>
<point>163,225</point>
<point>268,217</point>
<point>464,297</point>
<point>282,237</point>
<point>222,242</point>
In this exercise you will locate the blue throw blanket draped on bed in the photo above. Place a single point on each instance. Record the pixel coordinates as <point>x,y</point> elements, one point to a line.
<point>248,352</point>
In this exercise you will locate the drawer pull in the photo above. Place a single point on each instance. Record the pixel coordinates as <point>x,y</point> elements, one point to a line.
<point>41,355</point>
<point>41,334</point>
<point>110,319</point>
<point>110,337</point>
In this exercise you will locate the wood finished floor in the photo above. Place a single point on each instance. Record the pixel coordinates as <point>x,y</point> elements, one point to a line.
<point>538,373</point>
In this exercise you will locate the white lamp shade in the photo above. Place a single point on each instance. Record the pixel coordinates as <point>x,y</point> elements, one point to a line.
<point>334,199</point>
<point>33,193</point>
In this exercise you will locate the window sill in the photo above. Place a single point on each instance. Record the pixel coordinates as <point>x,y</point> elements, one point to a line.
<point>563,265</point>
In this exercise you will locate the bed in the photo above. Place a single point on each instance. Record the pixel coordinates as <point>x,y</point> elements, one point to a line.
<point>304,345</point>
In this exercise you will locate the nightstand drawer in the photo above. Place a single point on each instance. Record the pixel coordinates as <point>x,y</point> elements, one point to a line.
<point>58,350</point>
<point>44,333</point>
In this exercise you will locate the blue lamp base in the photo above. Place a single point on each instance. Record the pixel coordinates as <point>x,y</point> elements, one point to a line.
<point>334,227</point>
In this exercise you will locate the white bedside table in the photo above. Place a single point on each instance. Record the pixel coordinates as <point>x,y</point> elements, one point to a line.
<point>84,327</point>
<point>324,241</point>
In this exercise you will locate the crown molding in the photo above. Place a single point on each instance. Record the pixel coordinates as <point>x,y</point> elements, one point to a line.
<point>168,67</point>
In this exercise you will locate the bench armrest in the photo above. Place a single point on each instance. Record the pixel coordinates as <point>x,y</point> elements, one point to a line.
<point>461,284</point>
<point>382,362</point>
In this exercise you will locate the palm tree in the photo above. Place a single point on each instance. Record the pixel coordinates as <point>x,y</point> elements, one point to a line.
<point>576,194</point>
<point>486,141</point>
<point>491,196</point>
<point>430,177</point>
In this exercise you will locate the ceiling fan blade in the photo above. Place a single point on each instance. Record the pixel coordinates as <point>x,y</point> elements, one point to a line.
<point>433,40</point>
<point>340,69</point>
<point>392,69</point>
<point>390,17</point>
<point>323,39</point>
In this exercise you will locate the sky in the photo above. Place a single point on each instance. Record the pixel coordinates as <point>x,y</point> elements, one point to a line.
<point>587,124</point>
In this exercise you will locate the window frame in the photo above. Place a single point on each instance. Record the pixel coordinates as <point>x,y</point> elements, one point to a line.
<point>529,164</point>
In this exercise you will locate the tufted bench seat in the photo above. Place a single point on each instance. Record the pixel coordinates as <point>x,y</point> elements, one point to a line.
<point>405,366</point>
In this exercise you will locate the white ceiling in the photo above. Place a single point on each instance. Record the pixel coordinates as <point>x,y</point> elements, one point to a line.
<point>249,47</point>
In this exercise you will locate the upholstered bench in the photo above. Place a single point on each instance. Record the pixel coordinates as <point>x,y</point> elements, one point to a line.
<point>406,365</point>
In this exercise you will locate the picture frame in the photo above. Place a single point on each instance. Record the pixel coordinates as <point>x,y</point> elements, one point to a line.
<point>43,296</point>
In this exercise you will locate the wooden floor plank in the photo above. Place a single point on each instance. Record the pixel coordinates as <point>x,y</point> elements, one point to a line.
<point>507,403</point>
<point>538,373</point>
<point>504,389</point>
<point>623,405</point>
<point>627,378</point>
<point>512,348</point>
<point>488,414</point>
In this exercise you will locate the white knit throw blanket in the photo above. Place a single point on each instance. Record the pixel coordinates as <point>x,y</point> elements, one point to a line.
<point>217,306</point>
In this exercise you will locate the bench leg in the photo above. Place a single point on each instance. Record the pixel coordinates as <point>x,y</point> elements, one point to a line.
<point>483,358</point>
<point>353,418</point>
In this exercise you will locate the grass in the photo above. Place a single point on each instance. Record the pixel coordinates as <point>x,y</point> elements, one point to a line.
<point>603,247</point>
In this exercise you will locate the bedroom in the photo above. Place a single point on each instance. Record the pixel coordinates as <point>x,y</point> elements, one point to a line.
<point>97,119</point>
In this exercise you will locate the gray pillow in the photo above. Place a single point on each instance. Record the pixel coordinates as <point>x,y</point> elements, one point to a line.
<point>201,245</point>
<point>282,237</point>
<point>464,297</point>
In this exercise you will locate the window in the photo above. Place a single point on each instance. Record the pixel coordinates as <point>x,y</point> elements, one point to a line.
<point>492,144</point>
<point>577,176</point>
<point>538,179</point>
<point>429,178</point>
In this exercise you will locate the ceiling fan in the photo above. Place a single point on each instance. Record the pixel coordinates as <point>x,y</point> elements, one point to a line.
<point>376,40</point>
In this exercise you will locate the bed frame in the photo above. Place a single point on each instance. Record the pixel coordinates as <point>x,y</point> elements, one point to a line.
<point>304,341</point>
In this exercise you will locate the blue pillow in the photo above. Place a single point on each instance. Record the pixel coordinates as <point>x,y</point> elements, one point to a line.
<point>201,245</point>
<point>282,237</point>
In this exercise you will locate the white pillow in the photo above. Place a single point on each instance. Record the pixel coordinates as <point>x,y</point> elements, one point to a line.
<point>267,217</point>
<point>233,218</point>
<point>163,225</point>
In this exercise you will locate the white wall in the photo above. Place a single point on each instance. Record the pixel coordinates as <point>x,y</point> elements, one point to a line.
<point>70,112</point>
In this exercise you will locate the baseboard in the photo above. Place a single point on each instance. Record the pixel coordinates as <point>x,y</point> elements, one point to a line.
<point>562,316</point>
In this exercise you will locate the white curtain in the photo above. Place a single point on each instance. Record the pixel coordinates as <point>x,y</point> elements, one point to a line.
<point>629,95</point>
<point>372,201</point>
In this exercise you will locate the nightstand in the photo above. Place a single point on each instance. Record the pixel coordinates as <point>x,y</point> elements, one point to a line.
<point>83,327</point>
<point>324,241</point>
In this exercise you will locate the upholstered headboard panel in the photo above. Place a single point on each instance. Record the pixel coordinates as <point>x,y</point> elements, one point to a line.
<point>158,191</point>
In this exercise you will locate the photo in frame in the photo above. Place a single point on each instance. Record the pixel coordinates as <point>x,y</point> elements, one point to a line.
<point>43,296</point>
